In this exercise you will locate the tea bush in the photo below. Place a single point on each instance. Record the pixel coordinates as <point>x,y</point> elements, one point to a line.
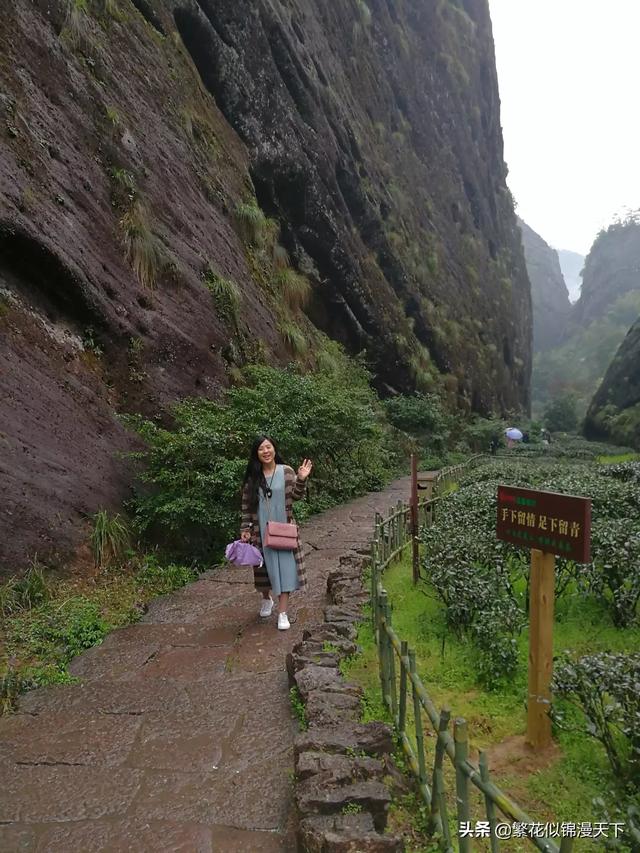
<point>606,688</point>
<point>483,582</point>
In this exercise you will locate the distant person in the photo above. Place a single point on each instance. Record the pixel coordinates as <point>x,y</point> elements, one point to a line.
<point>494,444</point>
<point>525,438</point>
<point>268,492</point>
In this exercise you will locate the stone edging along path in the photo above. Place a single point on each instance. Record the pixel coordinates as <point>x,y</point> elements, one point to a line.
<point>180,734</point>
<point>340,762</point>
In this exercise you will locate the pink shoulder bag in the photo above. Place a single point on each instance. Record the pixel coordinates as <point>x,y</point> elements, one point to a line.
<point>280,535</point>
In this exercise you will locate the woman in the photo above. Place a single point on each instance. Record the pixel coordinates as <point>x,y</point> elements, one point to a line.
<point>268,492</point>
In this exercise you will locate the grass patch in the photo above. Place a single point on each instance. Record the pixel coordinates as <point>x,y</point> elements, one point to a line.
<point>297,706</point>
<point>294,339</point>
<point>618,458</point>
<point>294,288</point>
<point>109,539</point>
<point>562,791</point>
<point>225,293</point>
<point>280,256</point>
<point>143,250</point>
<point>51,620</point>
<point>76,25</point>
<point>251,223</point>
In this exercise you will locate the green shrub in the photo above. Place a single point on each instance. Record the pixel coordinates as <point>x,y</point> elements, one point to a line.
<point>605,688</point>
<point>160,579</point>
<point>194,470</point>
<point>424,416</point>
<point>85,627</point>
<point>560,415</point>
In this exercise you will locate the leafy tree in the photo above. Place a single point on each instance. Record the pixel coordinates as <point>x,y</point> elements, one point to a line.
<point>560,415</point>
<point>422,415</point>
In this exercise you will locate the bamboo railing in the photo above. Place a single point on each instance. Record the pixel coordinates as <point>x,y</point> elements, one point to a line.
<point>411,707</point>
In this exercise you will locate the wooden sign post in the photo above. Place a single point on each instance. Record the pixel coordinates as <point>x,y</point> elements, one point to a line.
<point>541,601</point>
<point>549,524</point>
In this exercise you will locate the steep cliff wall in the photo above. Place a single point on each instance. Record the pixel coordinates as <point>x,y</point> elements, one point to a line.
<point>611,270</point>
<point>598,322</point>
<point>135,139</point>
<point>549,294</point>
<point>614,412</point>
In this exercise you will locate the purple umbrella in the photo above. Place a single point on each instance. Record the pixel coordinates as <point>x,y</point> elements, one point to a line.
<point>243,554</point>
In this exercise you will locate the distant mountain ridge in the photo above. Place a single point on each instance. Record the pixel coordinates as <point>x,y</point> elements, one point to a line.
<point>571,264</point>
<point>549,294</point>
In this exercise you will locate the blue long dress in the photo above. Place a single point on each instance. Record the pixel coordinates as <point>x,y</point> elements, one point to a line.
<point>281,565</point>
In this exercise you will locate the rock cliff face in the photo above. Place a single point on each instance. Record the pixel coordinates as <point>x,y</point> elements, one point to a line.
<point>611,270</point>
<point>598,322</point>
<point>614,412</point>
<point>135,140</point>
<point>549,294</point>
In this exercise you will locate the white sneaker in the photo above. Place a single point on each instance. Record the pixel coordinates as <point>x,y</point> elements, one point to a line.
<point>283,622</point>
<point>267,607</point>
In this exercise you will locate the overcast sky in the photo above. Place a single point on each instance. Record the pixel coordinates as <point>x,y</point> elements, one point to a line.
<point>569,85</point>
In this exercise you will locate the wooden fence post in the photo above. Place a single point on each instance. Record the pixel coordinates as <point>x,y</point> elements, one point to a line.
<point>391,663</point>
<point>382,645</point>
<point>415,551</point>
<point>491,806</point>
<point>417,713</point>
<point>439,801</point>
<point>402,710</point>
<point>461,745</point>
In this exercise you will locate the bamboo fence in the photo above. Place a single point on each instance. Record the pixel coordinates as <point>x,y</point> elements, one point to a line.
<point>411,706</point>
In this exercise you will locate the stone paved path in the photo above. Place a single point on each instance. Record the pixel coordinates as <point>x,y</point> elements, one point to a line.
<point>179,736</point>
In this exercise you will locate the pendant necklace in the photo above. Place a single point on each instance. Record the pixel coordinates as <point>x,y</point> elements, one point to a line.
<point>269,492</point>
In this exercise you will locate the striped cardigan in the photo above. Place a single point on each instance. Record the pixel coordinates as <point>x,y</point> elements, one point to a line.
<point>294,489</point>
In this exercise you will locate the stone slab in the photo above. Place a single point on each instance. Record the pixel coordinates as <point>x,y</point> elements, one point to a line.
<point>172,635</point>
<point>112,664</point>
<point>72,738</point>
<point>36,794</point>
<point>106,697</point>
<point>184,664</point>
<point>256,800</point>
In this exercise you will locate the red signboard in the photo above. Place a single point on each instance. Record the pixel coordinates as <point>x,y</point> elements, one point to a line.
<point>557,524</point>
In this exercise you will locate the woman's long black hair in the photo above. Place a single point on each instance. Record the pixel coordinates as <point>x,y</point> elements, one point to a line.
<point>254,475</point>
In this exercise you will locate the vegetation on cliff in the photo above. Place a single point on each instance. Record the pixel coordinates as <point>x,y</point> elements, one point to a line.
<point>609,304</point>
<point>272,172</point>
<point>614,413</point>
